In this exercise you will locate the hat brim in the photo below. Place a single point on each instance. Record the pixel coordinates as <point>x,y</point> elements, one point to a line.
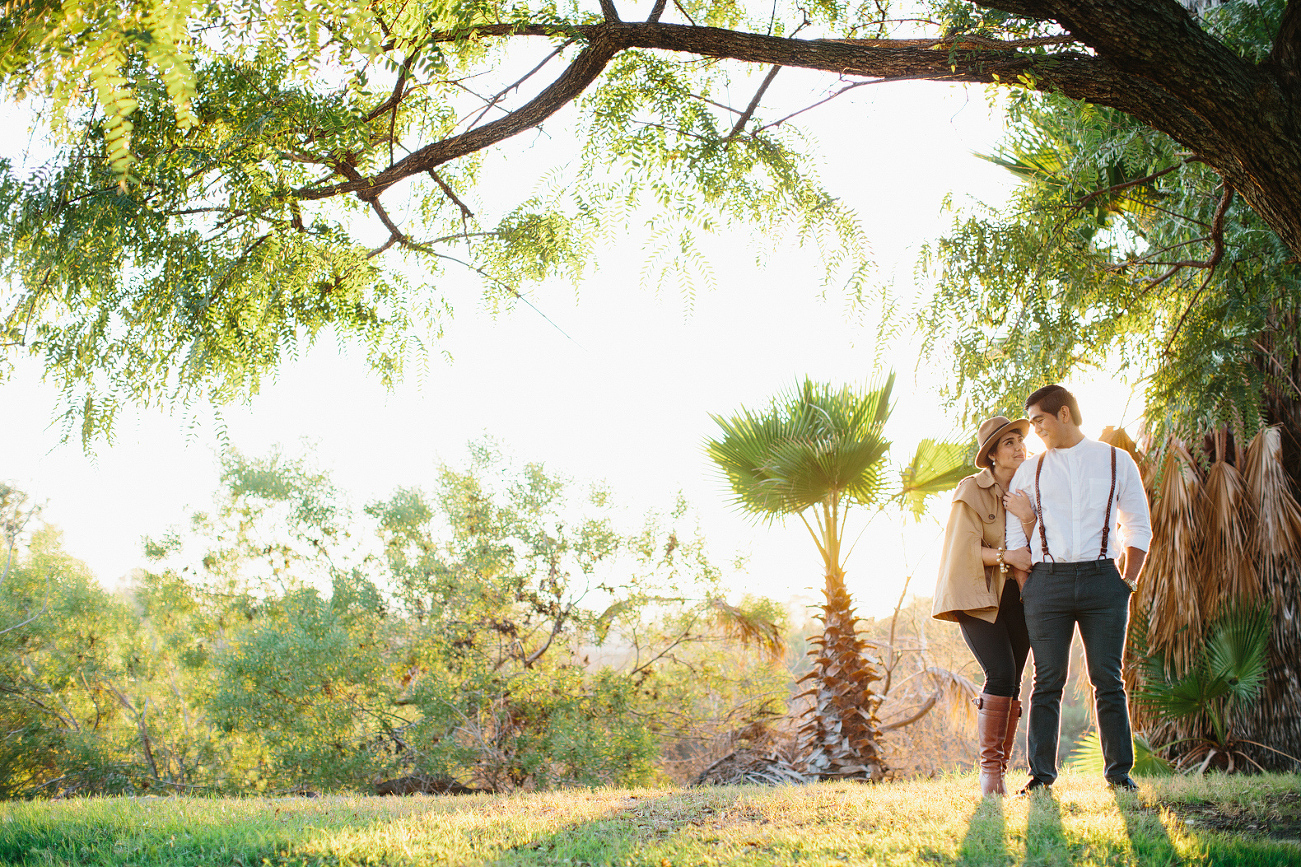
<point>982,456</point>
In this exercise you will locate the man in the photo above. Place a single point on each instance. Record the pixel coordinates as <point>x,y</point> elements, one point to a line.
<point>1080,489</point>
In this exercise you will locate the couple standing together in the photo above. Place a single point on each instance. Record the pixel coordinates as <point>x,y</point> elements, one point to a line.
<point>1030,552</point>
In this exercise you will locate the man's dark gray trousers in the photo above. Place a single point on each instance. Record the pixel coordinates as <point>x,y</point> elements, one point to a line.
<point>1057,598</point>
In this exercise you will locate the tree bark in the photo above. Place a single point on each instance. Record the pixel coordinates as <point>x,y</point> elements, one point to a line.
<point>840,735</point>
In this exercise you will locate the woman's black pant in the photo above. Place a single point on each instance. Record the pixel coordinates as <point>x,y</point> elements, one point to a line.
<point>1000,647</point>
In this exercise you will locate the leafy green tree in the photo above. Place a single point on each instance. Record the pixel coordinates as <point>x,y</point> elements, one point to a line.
<point>1124,248</point>
<point>815,452</point>
<point>507,631</point>
<point>553,637</point>
<point>72,719</point>
<point>105,693</point>
<point>504,630</point>
<point>228,181</point>
<point>310,676</point>
<point>1120,248</point>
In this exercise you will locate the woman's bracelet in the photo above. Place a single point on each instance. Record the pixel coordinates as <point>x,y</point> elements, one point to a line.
<point>1002,566</point>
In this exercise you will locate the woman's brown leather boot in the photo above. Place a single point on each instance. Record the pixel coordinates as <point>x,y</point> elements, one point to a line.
<point>1009,742</point>
<point>991,722</point>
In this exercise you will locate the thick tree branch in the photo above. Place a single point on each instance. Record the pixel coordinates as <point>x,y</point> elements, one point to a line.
<point>1150,60</point>
<point>584,70</point>
<point>873,58</point>
<point>1041,11</point>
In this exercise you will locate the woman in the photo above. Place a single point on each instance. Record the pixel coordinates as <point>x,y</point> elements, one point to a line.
<point>976,588</point>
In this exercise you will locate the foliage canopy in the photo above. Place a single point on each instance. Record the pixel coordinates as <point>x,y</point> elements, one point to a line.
<point>229,180</point>
<point>504,630</point>
<point>1121,248</point>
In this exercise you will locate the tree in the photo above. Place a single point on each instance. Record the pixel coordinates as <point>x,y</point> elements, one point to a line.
<point>203,212</point>
<point>504,629</point>
<point>1226,536</point>
<point>815,452</point>
<point>1121,248</point>
<point>82,707</point>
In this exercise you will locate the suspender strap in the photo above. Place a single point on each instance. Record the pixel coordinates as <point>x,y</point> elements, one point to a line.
<point>1039,506</point>
<point>1106,526</point>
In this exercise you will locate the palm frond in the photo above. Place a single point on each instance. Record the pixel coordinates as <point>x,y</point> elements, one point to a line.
<point>1148,761</point>
<point>751,629</point>
<point>1238,650</point>
<point>936,466</point>
<point>1116,436</point>
<point>1192,694</point>
<point>1225,516</point>
<point>1171,590</point>
<point>1278,516</point>
<point>1087,757</point>
<point>814,443</point>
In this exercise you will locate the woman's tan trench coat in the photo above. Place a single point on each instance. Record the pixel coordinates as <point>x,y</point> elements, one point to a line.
<point>975,519</point>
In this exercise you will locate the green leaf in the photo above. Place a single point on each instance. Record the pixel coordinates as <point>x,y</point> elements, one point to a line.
<point>1237,651</point>
<point>816,443</point>
<point>1193,694</point>
<point>935,467</point>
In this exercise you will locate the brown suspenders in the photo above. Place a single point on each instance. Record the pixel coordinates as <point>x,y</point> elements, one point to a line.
<point>1106,525</point>
<point>1039,507</point>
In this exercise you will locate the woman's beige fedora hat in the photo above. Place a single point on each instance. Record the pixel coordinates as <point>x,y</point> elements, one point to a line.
<point>989,432</point>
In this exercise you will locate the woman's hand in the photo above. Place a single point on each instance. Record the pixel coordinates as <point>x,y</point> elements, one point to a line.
<point>1018,559</point>
<point>1019,504</point>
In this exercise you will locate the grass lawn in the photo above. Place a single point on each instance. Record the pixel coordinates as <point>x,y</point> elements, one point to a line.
<point>1212,820</point>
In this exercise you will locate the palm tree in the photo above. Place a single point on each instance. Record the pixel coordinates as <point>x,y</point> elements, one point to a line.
<point>1226,534</point>
<point>815,452</point>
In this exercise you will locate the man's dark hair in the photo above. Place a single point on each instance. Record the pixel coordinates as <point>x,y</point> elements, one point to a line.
<point>1051,399</point>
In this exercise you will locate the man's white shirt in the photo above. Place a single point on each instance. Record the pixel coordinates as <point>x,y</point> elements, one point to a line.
<point>1073,489</point>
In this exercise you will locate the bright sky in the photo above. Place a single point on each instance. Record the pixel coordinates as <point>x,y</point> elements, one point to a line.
<point>625,397</point>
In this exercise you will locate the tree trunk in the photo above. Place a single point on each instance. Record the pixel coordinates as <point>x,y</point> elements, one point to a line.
<point>840,736</point>
<point>1275,720</point>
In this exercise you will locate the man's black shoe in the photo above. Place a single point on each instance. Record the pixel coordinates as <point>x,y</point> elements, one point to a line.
<point>1122,784</point>
<point>1035,785</point>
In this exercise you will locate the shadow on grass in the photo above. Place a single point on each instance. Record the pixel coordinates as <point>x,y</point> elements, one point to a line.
<point>1147,835</point>
<point>1045,840</point>
<point>1223,845</point>
<point>986,840</point>
<point>623,836</point>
